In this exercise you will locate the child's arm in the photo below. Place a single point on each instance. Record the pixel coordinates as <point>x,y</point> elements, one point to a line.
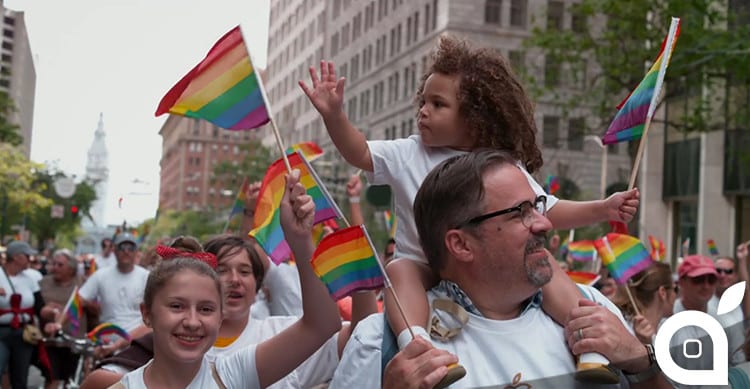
<point>278,356</point>
<point>409,280</point>
<point>620,206</point>
<point>560,295</point>
<point>327,95</point>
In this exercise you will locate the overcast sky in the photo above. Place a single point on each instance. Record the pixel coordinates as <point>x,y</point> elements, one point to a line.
<point>119,57</point>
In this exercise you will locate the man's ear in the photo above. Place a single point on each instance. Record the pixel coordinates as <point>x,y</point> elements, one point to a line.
<point>145,315</point>
<point>459,245</point>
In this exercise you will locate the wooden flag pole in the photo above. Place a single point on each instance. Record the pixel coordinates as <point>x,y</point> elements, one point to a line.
<point>323,189</point>
<point>639,154</point>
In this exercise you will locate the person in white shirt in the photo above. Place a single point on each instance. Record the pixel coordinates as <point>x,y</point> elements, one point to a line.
<point>486,243</point>
<point>106,257</point>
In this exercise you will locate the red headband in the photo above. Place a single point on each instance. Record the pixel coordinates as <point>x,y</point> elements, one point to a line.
<point>166,252</point>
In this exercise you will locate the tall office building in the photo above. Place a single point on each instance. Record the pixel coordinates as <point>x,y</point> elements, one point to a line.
<point>382,47</point>
<point>17,73</point>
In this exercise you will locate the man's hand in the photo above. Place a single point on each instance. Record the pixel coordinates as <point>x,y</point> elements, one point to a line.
<point>327,92</point>
<point>251,195</point>
<point>418,365</point>
<point>644,330</point>
<point>621,206</point>
<point>603,332</point>
<point>354,186</point>
<point>51,328</point>
<point>742,253</point>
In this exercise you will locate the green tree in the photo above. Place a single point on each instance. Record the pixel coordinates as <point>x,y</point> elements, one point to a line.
<point>8,131</point>
<point>613,39</point>
<point>253,166</point>
<point>21,193</point>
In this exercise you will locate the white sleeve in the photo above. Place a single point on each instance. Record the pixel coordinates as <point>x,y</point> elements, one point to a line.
<point>88,291</point>
<point>388,158</point>
<point>284,289</point>
<point>238,370</point>
<point>320,366</point>
<point>551,200</point>
<point>360,363</point>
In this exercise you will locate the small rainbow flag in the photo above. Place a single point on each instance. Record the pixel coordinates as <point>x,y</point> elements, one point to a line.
<point>92,267</point>
<point>310,150</point>
<point>552,184</point>
<point>98,334</point>
<point>268,232</point>
<point>583,277</point>
<point>223,89</point>
<point>641,103</point>
<point>390,223</point>
<point>712,248</point>
<point>582,251</point>
<point>658,250</point>
<point>74,313</point>
<point>623,255</point>
<point>346,262</point>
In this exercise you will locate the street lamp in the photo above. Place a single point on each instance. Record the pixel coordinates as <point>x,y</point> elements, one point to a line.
<point>603,179</point>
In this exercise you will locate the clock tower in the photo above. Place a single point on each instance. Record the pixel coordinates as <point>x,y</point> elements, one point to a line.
<point>97,173</point>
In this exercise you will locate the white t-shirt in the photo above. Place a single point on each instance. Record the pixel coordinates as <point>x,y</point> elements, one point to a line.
<point>732,322</point>
<point>494,352</point>
<point>236,371</point>
<point>284,289</point>
<point>404,164</point>
<point>315,370</point>
<point>120,295</point>
<point>105,262</point>
<point>35,275</point>
<point>23,284</point>
<point>260,310</point>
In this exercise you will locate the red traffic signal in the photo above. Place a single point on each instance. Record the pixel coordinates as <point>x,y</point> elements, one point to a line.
<point>74,210</point>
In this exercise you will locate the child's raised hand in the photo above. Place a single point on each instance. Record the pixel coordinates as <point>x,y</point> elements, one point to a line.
<point>297,210</point>
<point>621,206</point>
<point>354,186</point>
<point>327,92</point>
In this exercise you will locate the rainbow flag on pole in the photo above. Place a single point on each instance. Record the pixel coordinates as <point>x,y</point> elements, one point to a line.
<point>346,262</point>
<point>223,89</point>
<point>712,248</point>
<point>639,106</point>
<point>239,203</point>
<point>552,184</point>
<point>658,250</point>
<point>74,313</point>
<point>582,277</point>
<point>623,255</point>
<point>268,232</point>
<point>106,329</point>
<point>390,223</point>
<point>310,150</point>
<point>582,251</point>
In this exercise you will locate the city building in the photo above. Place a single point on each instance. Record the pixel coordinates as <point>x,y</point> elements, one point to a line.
<point>97,173</point>
<point>17,73</point>
<point>382,47</point>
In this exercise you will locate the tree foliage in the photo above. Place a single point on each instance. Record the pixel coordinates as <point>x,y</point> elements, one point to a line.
<point>253,166</point>
<point>8,131</point>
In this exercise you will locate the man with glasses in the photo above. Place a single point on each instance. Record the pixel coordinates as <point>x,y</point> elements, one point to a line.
<point>485,241</point>
<point>119,291</point>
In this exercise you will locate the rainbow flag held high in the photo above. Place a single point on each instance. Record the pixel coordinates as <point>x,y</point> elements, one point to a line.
<point>658,250</point>
<point>268,232</point>
<point>239,202</point>
<point>712,248</point>
<point>552,184</point>
<point>639,106</point>
<point>346,262</point>
<point>106,329</point>
<point>74,313</point>
<point>390,223</point>
<point>623,255</point>
<point>583,277</point>
<point>310,150</point>
<point>582,251</point>
<point>224,88</point>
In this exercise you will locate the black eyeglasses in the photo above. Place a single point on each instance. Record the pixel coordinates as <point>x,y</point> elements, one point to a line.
<point>526,209</point>
<point>724,271</point>
<point>127,247</point>
<point>710,278</point>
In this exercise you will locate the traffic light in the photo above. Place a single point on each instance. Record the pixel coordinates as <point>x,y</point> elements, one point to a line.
<point>74,211</point>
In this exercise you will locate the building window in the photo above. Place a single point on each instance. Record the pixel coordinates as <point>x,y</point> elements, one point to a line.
<point>516,60</point>
<point>492,11</point>
<point>551,72</point>
<point>555,15</point>
<point>578,22</point>
<point>576,131</point>
<point>434,13</point>
<point>8,33</point>
<point>518,13</point>
<point>8,46</point>
<point>551,131</point>
<point>426,19</point>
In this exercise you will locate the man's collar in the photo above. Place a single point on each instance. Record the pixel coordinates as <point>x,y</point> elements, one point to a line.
<point>452,291</point>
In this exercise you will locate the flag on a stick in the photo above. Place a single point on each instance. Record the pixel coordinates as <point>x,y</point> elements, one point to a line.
<point>583,277</point>
<point>712,248</point>
<point>74,313</point>
<point>623,255</point>
<point>267,231</point>
<point>346,262</point>
<point>582,251</point>
<point>658,250</point>
<point>641,103</point>
<point>310,150</point>
<point>223,89</point>
<point>239,203</point>
<point>390,223</point>
<point>552,184</point>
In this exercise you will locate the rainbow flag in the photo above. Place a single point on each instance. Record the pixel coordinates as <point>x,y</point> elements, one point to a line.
<point>310,150</point>
<point>268,231</point>
<point>623,255</point>
<point>639,106</point>
<point>583,277</point>
<point>712,248</point>
<point>390,223</point>
<point>74,313</point>
<point>346,262</point>
<point>98,334</point>
<point>552,184</point>
<point>223,89</point>
<point>658,250</point>
<point>92,267</point>
<point>582,251</point>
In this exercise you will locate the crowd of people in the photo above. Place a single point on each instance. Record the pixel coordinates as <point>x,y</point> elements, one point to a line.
<point>484,302</point>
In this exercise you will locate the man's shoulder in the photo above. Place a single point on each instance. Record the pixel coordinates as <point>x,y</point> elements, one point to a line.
<point>369,331</point>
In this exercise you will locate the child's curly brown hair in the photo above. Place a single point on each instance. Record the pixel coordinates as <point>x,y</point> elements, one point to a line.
<point>491,99</point>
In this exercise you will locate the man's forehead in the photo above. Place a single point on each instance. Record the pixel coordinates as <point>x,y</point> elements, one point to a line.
<point>506,186</point>
<point>725,262</point>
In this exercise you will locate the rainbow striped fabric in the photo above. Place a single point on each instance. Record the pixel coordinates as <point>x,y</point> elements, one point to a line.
<point>74,313</point>
<point>390,223</point>
<point>582,277</point>
<point>98,334</point>
<point>712,248</point>
<point>268,232</point>
<point>623,255</point>
<point>346,262</point>
<point>640,105</point>
<point>582,251</point>
<point>310,150</point>
<point>552,184</point>
<point>223,89</point>
<point>658,250</point>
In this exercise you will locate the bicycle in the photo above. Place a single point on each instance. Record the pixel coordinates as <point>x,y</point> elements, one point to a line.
<point>84,348</point>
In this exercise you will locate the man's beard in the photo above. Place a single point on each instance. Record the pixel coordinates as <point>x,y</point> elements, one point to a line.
<point>538,273</point>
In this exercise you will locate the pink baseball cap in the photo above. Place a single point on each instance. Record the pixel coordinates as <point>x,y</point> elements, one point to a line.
<point>696,265</point>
